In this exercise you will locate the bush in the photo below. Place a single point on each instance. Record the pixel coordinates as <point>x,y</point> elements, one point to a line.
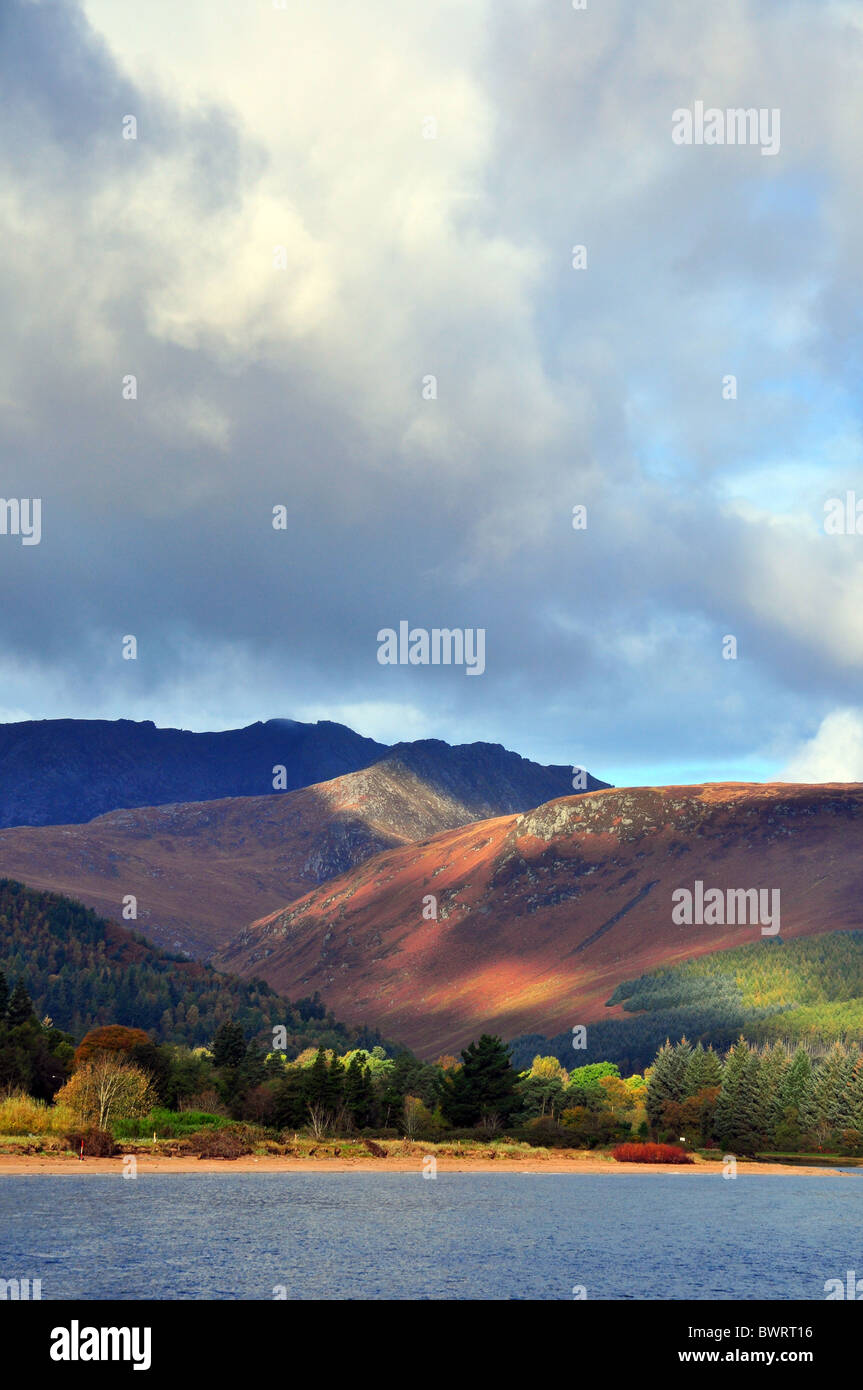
<point>168,1124</point>
<point>651,1153</point>
<point>97,1143</point>
<point>219,1143</point>
<point>851,1142</point>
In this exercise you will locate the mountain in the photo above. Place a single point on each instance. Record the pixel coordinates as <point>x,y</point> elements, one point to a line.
<point>542,915</point>
<point>68,771</point>
<point>82,972</point>
<point>200,871</point>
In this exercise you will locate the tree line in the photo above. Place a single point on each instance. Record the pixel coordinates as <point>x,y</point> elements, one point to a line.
<point>754,1099</point>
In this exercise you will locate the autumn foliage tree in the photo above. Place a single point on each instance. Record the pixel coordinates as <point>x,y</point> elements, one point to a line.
<point>107,1088</point>
<point>112,1038</point>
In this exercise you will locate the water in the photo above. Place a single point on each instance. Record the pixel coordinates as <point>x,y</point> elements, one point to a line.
<point>459,1236</point>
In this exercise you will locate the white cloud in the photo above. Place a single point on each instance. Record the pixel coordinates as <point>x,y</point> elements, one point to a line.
<point>834,754</point>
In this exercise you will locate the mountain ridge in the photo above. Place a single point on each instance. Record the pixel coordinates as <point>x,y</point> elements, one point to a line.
<point>69,771</point>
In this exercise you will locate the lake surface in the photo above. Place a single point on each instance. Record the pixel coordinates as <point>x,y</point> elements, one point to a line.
<point>459,1236</point>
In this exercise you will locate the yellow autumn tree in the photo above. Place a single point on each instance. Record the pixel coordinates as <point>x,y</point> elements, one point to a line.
<point>107,1088</point>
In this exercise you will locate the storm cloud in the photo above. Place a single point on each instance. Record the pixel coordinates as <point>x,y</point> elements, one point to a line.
<point>324,210</point>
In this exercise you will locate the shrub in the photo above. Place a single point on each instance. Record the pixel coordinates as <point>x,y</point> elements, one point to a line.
<point>168,1124</point>
<point>97,1143</point>
<point>548,1134</point>
<point>851,1141</point>
<point>651,1153</point>
<point>219,1143</point>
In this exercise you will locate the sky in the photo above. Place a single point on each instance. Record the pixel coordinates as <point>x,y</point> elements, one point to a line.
<point>323,208</point>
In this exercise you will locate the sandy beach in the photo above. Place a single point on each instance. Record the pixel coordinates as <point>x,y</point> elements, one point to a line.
<point>17,1166</point>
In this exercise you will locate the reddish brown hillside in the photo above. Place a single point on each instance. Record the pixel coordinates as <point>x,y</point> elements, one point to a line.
<point>200,871</point>
<point>542,915</point>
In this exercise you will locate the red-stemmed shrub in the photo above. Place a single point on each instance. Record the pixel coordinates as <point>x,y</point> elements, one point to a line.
<point>651,1153</point>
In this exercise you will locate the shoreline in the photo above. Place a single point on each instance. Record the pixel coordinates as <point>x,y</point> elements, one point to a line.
<point>24,1165</point>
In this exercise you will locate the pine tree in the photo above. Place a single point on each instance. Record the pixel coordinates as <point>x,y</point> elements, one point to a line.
<point>400,1081</point>
<point>356,1092</point>
<point>483,1085</point>
<point>694,1071</point>
<point>796,1084</point>
<point>737,1120</point>
<point>669,1078</point>
<point>20,1006</point>
<point>681,1056</point>
<point>855,1096</point>
<point>828,1108</point>
<point>660,1084</point>
<point>335,1084</point>
<point>774,1065</point>
<point>711,1069</point>
<point>317,1081</point>
<point>229,1045</point>
<point>4,996</point>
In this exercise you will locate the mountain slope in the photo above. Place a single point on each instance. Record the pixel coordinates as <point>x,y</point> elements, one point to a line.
<point>200,871</point>
<point>67,771</point>
<point>542,915</point>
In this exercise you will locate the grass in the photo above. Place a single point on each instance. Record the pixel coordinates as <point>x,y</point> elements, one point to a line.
<point>20,1114</point>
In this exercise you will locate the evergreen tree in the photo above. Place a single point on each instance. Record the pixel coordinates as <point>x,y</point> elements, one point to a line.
<point>484,1085</point>
<point>229,1045</point>
<point>317,1081</point>
<point>667,1082</point>
<point>289,1100</point>
<point>356,1091</point>
<point>737,1121</point>
<point>681,1055</point>
<point>855,1096</point>
<point>400,1082</point>
<point>20,1006</point>
<point>711,1069</point>
<point>693,1082</point>
<point>4,996</point>
<point>796,1083</point>
<point>774,1065</point>
<point>828,1108</point>
<point>335,1084</point>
